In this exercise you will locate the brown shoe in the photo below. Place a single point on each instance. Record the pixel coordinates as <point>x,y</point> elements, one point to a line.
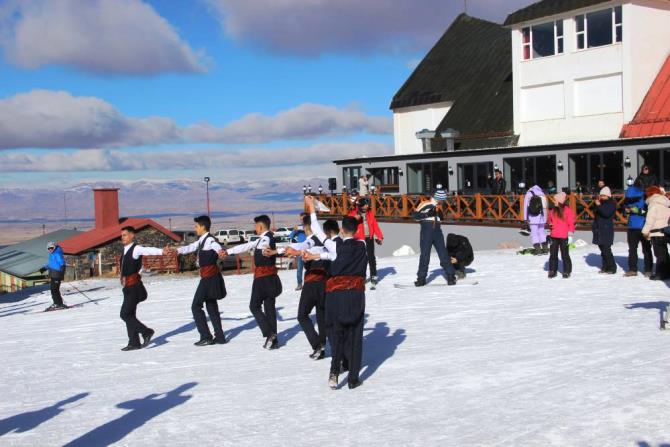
<point>631,273</point>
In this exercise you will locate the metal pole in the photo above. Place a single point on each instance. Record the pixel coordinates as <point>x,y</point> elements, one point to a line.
<point>207,186</point>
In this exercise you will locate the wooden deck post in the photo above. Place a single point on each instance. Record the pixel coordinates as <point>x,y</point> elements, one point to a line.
<point>478,206</point>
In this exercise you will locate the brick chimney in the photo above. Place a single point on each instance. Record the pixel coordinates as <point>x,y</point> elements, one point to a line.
<point>106,207</point>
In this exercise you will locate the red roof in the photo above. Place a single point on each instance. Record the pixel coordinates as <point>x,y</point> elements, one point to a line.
<point>653,117</point>
<point>97,237</point>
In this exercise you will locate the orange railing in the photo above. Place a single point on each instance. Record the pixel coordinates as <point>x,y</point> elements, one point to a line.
<point>477,208</point>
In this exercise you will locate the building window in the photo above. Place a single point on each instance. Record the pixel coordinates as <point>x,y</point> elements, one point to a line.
<point>659,162</point>
<point>542,40</point>
<point>387,180</point>
<point>351,176</point>
<point>530,171</point>
<point>475,177</point>
<point>422,178</point>
<point>587,169</point>
<point>595,29</point>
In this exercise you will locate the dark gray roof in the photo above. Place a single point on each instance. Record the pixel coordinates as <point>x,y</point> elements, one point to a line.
<point>547,8</point>
<point>27,257</point>
<point>457,59</point>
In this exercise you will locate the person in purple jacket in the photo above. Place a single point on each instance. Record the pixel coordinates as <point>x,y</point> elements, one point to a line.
<point>535,206</point>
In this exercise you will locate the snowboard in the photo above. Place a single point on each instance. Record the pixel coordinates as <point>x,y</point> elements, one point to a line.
<point>432,284</point>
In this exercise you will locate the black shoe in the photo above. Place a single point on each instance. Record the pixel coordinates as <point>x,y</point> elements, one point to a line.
<point>131,348</point>
<point>220,340</point>
<point>269,341</point>
<point>545,248</point>
<point>354,384</point>
<point>332,381</point>
<point>451,280</point>
<point>274,344</point>
<point>551,275</point>
<point>537,250</point>
<point>420,282</point>
<point>460,274</point>
<point>52,307</point>
<point>374,280</point>
<point>344,368</point>
<point>147,337</point>
<point>204,342</point>
<point>318,354</point>
<point>566,275</point>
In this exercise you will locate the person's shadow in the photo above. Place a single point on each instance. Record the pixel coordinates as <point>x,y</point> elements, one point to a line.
<point>141,412</point>
<point>386,271</point>
<point>378,346</point>
<point>660,305</point>
<point>27,421</point>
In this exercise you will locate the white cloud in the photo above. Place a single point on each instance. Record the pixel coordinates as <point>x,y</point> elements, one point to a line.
<point>111,37</point>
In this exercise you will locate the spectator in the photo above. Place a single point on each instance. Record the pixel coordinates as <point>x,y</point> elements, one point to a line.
<point>562,222</point>
<point>603,229</point>
<point>368,231</point>
<point>363,186</point>
<point>535,206</point>
<point>551,187</point>
<point>579,189</point>
<point>460,252</point>
<point>498,184</point>
<point>91,263</point>
<point>636,208</point>
<point>298,235</point>
<point>658,213</point>
<point>647,178</point>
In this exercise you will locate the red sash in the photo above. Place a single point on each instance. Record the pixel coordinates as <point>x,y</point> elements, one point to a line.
<point>131,280</point>
<point>345,283</point>
<point>265,270</point>
<point>209,271</point>
<point>315,275</point>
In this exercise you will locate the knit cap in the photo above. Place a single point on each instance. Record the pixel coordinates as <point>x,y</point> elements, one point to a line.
<point>560,197</point>
<point>440,194</point>
<point>606,191</point>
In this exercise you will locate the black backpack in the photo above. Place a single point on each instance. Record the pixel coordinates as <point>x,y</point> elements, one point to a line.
<point>535,207</point>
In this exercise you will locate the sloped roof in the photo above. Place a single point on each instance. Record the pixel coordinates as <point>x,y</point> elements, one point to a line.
<point>653,117</point>
<point>27,257</point>
<point>98,237</point>
<point>546,8</point>
<point>460,56</point>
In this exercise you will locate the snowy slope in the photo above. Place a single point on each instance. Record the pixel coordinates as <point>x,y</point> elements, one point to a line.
<point>516,360</point>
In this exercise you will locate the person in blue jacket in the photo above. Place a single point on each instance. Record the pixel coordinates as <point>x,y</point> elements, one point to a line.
<point>298,236</point>
<point>56,268</point>
<point>636,208</point>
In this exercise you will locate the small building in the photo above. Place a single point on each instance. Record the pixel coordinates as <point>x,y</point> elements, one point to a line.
<point>105,239</point>
<point>20,263</point>
<point>565,92</point>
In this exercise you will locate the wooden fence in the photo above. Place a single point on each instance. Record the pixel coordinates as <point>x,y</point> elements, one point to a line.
<point>478,208</point>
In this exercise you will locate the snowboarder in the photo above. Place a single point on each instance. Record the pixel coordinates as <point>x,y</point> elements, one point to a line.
<point>267,285</point>
<point>460,252</point>
<point>345,295</point>
<point>56,268</point>
<point>368,231</point>
<point>133,288</point>
<point>535,206</point>
<point>562,223</point>
<point>603,229</point>
<point>657,217</point>
<point>211,287</point>
<point>636,208</point>
<point>431,236</point>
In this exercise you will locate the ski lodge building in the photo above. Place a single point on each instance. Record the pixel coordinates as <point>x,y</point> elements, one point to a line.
<point>565,91</point>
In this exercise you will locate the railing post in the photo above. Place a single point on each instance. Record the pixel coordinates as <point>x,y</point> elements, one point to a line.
<point>572,200</point>
<point>345,204</point>
<point>478,206</point>
<point>373,204</point>
<point>405,208</point>
<point>522,210</point>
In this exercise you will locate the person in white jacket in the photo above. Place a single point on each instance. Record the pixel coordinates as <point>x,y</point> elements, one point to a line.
<point>658,213</point>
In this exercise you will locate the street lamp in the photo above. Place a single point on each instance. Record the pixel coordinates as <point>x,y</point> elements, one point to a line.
<point>626,162</point>
<point>630,181</point>
<point>207,186</point>
<point>309,189</point>
<point>320,189</point>
<point>373,188</point>
<point>560,165</point>
<point>304,190</point>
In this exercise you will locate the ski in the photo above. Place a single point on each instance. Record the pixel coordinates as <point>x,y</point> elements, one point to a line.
<point>444,285</point>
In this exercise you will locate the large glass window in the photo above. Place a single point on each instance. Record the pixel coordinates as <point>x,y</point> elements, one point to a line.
<point>587,169</point>
<point>595,29</point>
<point>542,40</point>
<point>351,176</point>
<point>530,171</point>
<point>422,178</point>
<point>659,162</point>
<point>386,180</point>
<point>475,177</point>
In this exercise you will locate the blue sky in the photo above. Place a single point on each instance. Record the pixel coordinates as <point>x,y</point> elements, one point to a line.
<point>102,89</point>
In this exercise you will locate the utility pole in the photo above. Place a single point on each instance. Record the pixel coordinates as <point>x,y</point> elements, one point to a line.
<point>65,206</point>
<point>465,6</point>
<point>207,185</point>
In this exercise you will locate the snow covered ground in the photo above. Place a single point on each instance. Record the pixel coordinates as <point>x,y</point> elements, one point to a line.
<point>516,360</point>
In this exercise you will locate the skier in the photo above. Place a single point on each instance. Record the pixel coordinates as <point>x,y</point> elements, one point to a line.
<point>636,208</point>
<point>211,287</point>
<point>133,289</point>
<point>603,229</point>
<point>460,252</point>
<point>535,205</point>
<point>56,268</point>
<point>431,236</point>
<point>345,295</point>
<point>657,218</point>
<point>267,285</point>
<point>368,231</point>
<point>562,223</point>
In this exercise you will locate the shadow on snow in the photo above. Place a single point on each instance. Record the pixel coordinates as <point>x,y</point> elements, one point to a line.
<point>29,420</point>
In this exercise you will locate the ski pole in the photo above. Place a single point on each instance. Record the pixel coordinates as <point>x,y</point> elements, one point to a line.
<point>85,296</point>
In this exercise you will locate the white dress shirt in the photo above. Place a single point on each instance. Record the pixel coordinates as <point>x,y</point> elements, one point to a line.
<point>142,251</point>
<point>261,243</point>
<point>329,249</point>
<point>210,244</point>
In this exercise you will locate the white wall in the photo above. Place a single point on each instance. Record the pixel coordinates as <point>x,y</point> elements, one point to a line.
<point>410,120</point>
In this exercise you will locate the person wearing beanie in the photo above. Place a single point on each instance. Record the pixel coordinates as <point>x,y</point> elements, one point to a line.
<point>440,194</point>
<point>56,269</point>
<point>636,209</point>
<point>368,231</point>
<point>561,220</point>
<point>535,205</point>
<point>603,229</point>
<point>658,213</point>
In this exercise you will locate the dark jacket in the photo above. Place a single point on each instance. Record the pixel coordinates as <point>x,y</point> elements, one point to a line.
<point>646,180</point>
<point>459,247</point>
<point>498,186</point>
<point>603,224</point>
<point>56,264</point>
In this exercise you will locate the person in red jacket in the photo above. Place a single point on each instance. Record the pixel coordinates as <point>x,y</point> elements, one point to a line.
<point>368,231</point>
<point>562,222</point>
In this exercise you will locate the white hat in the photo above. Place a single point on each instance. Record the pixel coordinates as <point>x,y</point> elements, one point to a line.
<point>51,244</point>
<point>606,191</point>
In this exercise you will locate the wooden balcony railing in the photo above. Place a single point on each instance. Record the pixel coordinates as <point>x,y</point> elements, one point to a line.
<point>478,208</point>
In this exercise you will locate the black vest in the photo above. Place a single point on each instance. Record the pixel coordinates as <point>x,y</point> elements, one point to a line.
<point>265,261</point>
<point>130,265</point>
<point>351,260</point>
<point>207,257</point>
<point>320,264</point>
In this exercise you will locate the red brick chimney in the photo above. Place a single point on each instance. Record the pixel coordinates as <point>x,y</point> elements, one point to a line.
<point>106,207</point>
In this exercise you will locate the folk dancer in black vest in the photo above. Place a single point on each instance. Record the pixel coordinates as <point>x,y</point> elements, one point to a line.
<point>133,289</point>
<point>345,295</point>
<point>211,287</point>
<point>267,285</point>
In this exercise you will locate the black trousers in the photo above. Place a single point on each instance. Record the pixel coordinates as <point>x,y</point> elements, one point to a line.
<point>132,296</point>
<point>372,261</point>
<point>55,291</point>
<point>660,246</point>
<point>201,319</point>
<point>345,311</point>
<point>264,293</point>
<point>431,236</point>
<point>313,296</point>
<point>608,263</point>
<point>562,245</point>
<point>636,238</point>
